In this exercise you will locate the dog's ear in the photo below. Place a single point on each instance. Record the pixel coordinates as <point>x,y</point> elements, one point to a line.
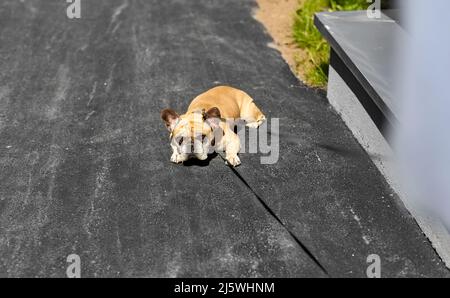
<point>212,116</point>
<point>170,118</point>
<point>212,113</point>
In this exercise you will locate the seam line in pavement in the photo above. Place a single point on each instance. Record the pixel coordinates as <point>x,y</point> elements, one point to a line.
<point>271,212</point>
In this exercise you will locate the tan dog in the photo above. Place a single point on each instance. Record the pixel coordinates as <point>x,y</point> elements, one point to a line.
<point>207,123</point>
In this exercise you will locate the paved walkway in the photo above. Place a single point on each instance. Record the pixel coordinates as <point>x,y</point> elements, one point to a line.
<point>84,157</point>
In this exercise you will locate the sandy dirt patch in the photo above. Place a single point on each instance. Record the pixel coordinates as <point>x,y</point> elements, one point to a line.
<point>278,18</point>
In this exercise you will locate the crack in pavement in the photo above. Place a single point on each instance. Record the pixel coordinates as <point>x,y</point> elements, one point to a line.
<point>271,212</point>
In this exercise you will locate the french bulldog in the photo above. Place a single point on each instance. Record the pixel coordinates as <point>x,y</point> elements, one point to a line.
<point>209,123</point>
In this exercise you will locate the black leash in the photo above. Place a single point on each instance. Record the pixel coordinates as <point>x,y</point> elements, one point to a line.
<point>303,247</point>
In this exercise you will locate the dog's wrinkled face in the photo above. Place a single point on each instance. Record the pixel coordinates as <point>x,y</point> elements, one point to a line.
<point>191,134</point>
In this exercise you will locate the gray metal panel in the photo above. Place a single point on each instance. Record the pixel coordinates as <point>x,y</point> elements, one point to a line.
<point>368,47</point>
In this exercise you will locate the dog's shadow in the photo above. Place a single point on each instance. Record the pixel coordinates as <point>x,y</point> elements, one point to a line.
<point>200,163</point>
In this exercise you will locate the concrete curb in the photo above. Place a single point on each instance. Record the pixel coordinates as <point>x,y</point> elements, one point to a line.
<point>369,137</point>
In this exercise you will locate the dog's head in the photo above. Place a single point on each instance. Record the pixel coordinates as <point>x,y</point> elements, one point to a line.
<point>192,134</point>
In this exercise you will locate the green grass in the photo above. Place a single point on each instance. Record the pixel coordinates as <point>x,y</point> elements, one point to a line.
<point>317,51</point>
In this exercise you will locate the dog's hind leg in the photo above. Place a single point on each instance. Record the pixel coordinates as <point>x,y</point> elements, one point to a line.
<point>251,114</point>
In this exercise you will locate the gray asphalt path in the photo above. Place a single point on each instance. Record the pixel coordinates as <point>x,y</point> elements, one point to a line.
<point>84,157</point>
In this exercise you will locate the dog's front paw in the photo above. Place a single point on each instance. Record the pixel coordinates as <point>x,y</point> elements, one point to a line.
<point>233,160</point>
<point>176,158</point>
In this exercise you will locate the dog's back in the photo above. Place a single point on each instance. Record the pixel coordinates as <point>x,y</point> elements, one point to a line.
<point>230,101</point>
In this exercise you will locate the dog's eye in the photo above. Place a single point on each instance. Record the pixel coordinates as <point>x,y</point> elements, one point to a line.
<point>203,137</point>
<point>180,141</point>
